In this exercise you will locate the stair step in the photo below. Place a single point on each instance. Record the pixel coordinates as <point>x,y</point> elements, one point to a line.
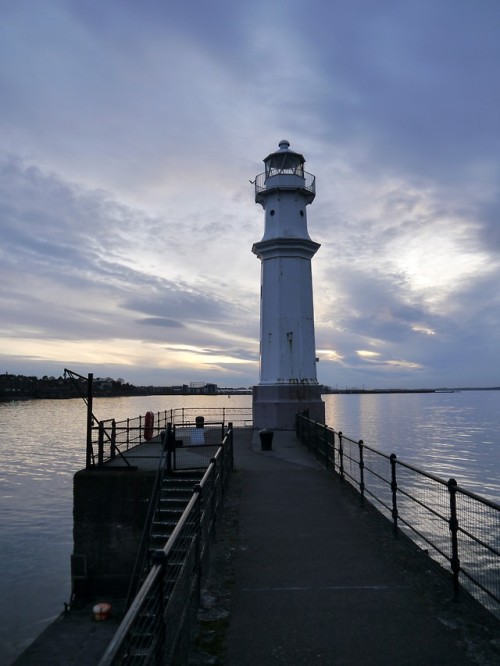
<point>175,502</point>
<point>164,522</point>
<point>167,515</point>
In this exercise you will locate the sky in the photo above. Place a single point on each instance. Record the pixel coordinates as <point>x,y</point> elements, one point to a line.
<point>129,132</point>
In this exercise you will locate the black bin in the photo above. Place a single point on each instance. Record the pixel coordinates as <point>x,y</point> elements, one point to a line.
<point>266,439</point>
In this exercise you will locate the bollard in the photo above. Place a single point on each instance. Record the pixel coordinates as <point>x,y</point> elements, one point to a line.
<point>266,439</point>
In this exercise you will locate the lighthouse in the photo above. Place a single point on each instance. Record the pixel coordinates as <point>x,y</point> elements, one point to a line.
<point>288,383</point>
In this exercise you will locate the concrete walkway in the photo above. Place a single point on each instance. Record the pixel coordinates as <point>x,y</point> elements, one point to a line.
<point>321,580</point>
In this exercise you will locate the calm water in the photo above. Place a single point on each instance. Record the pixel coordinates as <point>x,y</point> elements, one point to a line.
<point>43,445</point>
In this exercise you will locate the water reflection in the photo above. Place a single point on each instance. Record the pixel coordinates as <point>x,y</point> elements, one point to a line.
<point>449,434</point>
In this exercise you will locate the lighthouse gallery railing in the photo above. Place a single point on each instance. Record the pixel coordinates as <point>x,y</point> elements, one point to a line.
<point>459,529</point>
<point>309,179</point>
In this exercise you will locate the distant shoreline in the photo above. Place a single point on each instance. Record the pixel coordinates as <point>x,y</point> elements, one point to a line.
<point>149,391</point>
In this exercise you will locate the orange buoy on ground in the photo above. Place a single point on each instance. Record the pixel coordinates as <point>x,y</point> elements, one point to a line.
<point>101,611</point>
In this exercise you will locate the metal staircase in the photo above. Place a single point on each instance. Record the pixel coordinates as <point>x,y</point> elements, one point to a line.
<point>174,554</point>
<point>147,640</point>
<point>175,493</point>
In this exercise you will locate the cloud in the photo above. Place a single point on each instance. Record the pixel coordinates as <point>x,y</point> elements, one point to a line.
<point>160,321</point>
<point>130,133</point>
<point>85,278</point>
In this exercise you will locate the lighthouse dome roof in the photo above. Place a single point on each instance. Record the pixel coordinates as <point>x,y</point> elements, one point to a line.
<point>284,157</point>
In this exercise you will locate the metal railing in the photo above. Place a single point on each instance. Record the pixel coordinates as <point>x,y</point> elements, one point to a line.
<point>155,628</point>
<point>111,440</point>
<point>261,180</point>
<point>459,529</point>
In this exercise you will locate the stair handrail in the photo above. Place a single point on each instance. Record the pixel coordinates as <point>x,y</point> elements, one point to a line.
<point>116,652</point>
<point>142,551</point>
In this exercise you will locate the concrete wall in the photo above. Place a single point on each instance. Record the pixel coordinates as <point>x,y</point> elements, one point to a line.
<point>275,406</point>
<point>109,511</point>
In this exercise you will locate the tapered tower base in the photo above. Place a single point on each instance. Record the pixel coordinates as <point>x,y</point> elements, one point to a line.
<point>276,405</point>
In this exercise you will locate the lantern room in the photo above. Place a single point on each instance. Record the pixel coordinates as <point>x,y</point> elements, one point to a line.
<point>284,170</point>
<point>284,161</point>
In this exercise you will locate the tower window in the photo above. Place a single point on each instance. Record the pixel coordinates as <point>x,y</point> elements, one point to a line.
<point>271,213</point>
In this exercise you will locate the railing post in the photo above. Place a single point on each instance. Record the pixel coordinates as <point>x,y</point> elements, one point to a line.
<point>161,559</point>
<point>332,447</point>
<point>90,420</point>
<point>167,444</point>
<point>231,446</point>
<point>113,439</point>
<point>394,491</point>
<point>325,435</point>
<point>198,490</point>
<point>315,431</point>
<point>215,492</point>
<point>128,433</point>
<point>341,457</point>
<point>361,471</point>
<point>453,522</point>
<point>100,450</point>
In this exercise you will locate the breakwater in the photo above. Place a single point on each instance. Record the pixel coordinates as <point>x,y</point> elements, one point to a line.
<point>44,445</point>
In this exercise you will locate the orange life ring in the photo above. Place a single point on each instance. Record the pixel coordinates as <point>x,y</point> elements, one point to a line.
<point>149,421</point>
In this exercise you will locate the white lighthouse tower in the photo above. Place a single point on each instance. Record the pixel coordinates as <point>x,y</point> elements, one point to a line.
<point>288,382</point>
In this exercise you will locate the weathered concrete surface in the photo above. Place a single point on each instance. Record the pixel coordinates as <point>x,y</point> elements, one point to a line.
<point>74,638</point>
<point>318,579</point>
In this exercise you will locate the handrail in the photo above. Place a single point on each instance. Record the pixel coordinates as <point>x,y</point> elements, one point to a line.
<point>153,502</point>
<point>456,523</point>
<point>160,606</point>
